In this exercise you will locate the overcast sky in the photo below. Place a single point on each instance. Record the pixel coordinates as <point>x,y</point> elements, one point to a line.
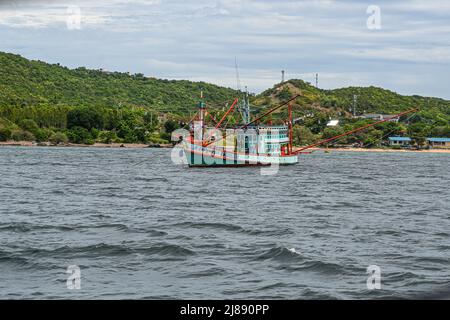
<point>199,40</point>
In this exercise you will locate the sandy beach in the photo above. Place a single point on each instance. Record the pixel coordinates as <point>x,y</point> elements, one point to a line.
<point>95,145</point>
<point>143,145</point>
<point>376,150</point>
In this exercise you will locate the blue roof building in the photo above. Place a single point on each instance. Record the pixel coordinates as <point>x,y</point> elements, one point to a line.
<point>443,143</point>
<point>406,139</point>
<point>399,141</point>
<point>439,142</point>
<point>438,139</point>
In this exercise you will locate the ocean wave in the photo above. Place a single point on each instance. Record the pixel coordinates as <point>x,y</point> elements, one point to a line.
<point>122,227</point>
<point>269,232</point>
<point>27,227</point>
<point>170,249</point>
<point>98,250</point>
<point>210,272</point>
<point>282,254</point>
<point>291,260</point>
<point>115,226</point>
<point>235,228</point>
<point>151,179</point>
<point>396,233</point>
<point>212,225</point>
<point>9,257</point>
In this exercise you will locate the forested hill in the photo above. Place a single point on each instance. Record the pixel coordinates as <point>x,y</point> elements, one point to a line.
<point>36,83</point>
<point>49,102</point>
<point>33,83</point>
<point>368,99</point>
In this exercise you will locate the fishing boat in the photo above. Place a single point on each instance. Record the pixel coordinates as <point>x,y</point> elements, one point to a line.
<point>251,143</point>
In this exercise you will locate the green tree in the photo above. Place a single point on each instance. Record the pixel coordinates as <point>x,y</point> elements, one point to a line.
<point>87,118</point>
<point>419,132</point>
<point>150,119</point>
<point>42,135</point>
<point>391,128</point>
<point>79,135</point>
<point>284,94</point>
<point>441,131</point>
<point>372,138</point>
<point>28,125</point>
<point>331,132</point>
<point>5,134</point>
<point>22,135</point>
<point>108,136</point>
<point>58,137</point>
<point>127,133</point>
<point>302,135</point>
<point>170,126</point>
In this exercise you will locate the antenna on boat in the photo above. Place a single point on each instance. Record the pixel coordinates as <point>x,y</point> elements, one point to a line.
<point>201,107</point>
<point>244,107</point>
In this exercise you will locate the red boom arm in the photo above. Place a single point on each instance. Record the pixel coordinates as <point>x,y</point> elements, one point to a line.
<point>226,114</point>
<point>354,131</point>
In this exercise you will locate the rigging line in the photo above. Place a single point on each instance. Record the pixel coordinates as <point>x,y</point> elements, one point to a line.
<point>231,109</point>
<point>355,130</point>
<point>390,132</point>
<point>228,118</point>
<point>255,120</point>
<point>365,146</point>
<point>192,119</point>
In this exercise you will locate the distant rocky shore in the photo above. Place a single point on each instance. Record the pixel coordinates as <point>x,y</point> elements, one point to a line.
<point>95,145</point>
<point>157,145</point>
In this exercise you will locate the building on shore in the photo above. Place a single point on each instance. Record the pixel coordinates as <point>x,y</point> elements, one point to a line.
<point>400,141</point>
<point>377,117</point>
<point>435,143</point>
<point>439,143</point>
<point>333,123</point>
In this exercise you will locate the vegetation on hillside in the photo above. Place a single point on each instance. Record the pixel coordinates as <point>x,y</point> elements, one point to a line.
<point>315,107</point>
<point>44,102</point>
<point>93,105</point>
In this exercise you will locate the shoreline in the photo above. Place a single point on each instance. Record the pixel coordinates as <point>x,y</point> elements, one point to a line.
<point>74,145</point>
<point>143,145</point>
<point>379,150</point>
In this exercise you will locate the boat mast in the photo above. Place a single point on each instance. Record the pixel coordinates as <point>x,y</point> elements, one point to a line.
<point>246,107</point>
<point>199,124</point>
<point>245,126</point>
<point>290,128</point>
<point>202,107</point>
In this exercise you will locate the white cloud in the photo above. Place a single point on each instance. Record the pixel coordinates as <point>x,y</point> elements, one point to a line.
<point>427,55</point>
<point>25,14</point>
<point>198,39</point>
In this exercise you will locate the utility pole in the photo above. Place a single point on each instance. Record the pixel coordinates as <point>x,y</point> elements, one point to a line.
<point>355,100</point>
